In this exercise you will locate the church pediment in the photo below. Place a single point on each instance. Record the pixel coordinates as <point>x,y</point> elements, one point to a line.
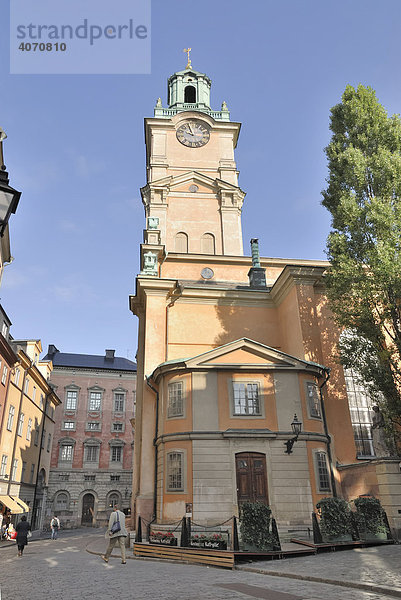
<point>243,354</point>
<point>182,182</point>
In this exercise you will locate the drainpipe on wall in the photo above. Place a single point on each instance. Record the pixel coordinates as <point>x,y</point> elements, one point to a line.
<point>155,445</point>
<point>327,371</point>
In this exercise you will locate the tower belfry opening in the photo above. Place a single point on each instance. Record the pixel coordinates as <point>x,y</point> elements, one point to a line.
<point>190,95</point>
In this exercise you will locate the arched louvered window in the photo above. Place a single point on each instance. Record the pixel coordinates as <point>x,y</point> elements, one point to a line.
<point>181,243</point>
<point>208,245</point>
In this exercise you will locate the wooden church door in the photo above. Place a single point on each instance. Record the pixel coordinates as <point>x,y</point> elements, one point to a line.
<point>251,477</point>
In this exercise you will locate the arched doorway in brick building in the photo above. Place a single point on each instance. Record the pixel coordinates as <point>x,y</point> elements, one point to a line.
<point>88,504</point>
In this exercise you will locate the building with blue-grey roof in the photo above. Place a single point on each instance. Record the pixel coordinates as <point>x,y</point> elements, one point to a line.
<point>91,463</point>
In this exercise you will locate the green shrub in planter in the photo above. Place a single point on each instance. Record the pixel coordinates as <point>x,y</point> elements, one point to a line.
<point>255,526</point>
<point>370,516</point>
<point>335,518</point>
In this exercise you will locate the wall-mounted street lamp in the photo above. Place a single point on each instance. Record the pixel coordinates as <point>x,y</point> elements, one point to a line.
<point>296,427</point>
<point>9,197</point>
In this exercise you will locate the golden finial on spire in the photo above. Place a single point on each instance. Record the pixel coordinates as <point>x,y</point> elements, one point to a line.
<point>187,51</point>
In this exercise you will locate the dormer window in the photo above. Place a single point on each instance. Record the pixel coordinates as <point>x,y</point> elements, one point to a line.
<point>190,95</point>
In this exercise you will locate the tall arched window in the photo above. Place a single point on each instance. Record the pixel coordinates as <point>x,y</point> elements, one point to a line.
<point>181,243</point>
<point>190,94</point>
<point>360,405</point>
<point>208,245</point>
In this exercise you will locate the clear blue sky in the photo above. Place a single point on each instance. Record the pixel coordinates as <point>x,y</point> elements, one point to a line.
<point>76,149</point>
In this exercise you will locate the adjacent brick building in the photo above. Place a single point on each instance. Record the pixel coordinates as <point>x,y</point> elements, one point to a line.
<point>91,463</point>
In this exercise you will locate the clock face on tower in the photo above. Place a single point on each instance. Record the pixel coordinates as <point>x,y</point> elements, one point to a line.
<point>193,134</point>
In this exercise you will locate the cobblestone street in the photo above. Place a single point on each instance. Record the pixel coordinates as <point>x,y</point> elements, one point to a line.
<point>65,569</point>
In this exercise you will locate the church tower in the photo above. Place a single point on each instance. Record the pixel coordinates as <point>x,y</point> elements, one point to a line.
<point>230,346</point>
<point>192,199</point>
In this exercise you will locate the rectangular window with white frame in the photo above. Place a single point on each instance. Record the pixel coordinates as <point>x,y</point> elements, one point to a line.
<point>246,399</point>
<point>4,375</point>
<point>3,467</point>
<point>66,452</point>
<point>322,472</point>
<point>10,420</point>
<point>31,476</point>
<point>91,453</point>
<point>29,430</point>
<point>69,425</point>
<point>119,402</point>
<point>312,392</point>
<point>20,424</point>
<point>33,393</point>
<point>116,454</point>
<point>14,469</point>
<point>118,427</point>
<point>175,472</point>
<point>26,388</point>
<point>17,375</point>
<point>175,401</point>
<point>93,426</point>
<point>71,400</point>
<point>95,401</point>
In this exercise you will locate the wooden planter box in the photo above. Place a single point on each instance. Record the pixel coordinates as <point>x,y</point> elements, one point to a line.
<point>368,536</point>
<point>334,539</point>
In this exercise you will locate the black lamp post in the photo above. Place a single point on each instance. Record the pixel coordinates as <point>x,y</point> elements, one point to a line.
<point>9,197</point>
<point>296,427</point>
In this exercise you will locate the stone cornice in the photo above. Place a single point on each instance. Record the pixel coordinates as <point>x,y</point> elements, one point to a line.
<point>247,260</point>
<point>370,461</point>
<point>148,286</point>
<point>240,434</point>
<point>79,371</point>
<point>297,275</point>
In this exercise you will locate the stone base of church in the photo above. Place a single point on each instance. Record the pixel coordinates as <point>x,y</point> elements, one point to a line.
<point>388,473</point>
<point>379,477</point>
<point>144,507</point>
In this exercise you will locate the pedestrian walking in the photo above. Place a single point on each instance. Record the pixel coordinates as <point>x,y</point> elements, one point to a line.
<point>55,526</point>
<point>22,529</point>
<point>116,534</point>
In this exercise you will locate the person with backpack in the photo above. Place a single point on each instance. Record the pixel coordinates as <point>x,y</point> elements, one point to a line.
<point>54,526</point>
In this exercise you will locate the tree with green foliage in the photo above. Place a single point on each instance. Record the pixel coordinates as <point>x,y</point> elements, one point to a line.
<point>363,196</point>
